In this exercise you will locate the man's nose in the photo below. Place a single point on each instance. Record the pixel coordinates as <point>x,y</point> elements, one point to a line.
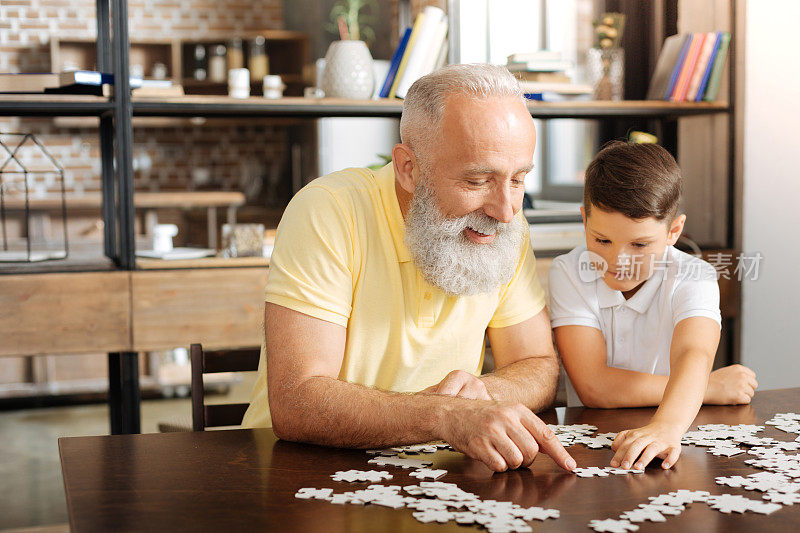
<point>500,205</point>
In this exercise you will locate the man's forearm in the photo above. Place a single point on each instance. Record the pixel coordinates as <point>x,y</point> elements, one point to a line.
<point>327,411</point>
<point>531,382</point>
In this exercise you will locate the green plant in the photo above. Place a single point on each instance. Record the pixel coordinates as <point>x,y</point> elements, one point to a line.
<point>385,160</point>
<point>356,19</point>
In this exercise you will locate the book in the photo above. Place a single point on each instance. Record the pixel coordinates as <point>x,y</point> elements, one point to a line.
<point>702,63</point>
<point>712,90</point>
<point>540,66</point>
<point>704,81</point>
<point>538,55</point>
<point>412,40</point>
<point>423,46</point>
<point>670,53</point>
<point>84,77</point>
<point>532,87</point>
<point>524,75</point>
<point>682,85</point>
<point>82,82</point>
<point>673,79</point>
<point>439,38</point>
<point>443,53</point>
<point>28,83</point>
<point>395,64</point>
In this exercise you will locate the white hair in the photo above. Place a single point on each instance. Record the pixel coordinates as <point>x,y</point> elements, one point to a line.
<point>423,107</point>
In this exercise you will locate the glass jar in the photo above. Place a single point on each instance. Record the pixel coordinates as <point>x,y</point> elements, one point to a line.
<point>200,63</point>
<point>235,54</point>
<point>257,62</point>
<point>217,68</point>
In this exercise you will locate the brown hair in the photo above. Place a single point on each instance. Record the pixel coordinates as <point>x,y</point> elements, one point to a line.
<point>637,180</point>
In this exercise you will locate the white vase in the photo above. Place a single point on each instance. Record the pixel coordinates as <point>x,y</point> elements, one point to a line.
<point>348,71</point>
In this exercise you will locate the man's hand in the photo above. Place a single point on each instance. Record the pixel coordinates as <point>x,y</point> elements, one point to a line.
<point>461,384</point>
<point>731,385</point>
<point>502,435</point>
<point>637,447</point>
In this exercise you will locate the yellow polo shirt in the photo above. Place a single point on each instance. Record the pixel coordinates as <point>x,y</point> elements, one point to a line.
<point>340,257</point>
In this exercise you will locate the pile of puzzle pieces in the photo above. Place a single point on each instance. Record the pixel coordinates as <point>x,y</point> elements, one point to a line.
<point>435,501</point>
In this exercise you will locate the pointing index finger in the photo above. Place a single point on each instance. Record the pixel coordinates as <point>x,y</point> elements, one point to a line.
<point>548,442</point>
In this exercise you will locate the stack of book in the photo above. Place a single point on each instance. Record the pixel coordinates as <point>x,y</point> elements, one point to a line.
<point>689,68</point>
<point>422,49</point>
<point>82,82</point>
<point>543,76</point>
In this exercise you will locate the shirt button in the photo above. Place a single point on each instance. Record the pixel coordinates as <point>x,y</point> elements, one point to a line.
<point>427,296</point>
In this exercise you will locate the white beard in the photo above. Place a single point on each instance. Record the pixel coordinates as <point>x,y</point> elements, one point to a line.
<point>448,259</point>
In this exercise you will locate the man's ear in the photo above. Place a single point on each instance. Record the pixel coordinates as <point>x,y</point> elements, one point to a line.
<point>583,217</point>
<point>406,170</point>
<point>675,229</point>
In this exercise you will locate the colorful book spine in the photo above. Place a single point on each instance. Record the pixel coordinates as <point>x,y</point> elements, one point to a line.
<point>701,66</point>
<point>716,73</point>
<point>395,64</point>
<point>673,79</point>
<point>707,74</point>
<point>412,40</point>
<point>679,94</point>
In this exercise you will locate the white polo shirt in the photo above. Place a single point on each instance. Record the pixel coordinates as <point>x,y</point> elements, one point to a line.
<point>638,331</point>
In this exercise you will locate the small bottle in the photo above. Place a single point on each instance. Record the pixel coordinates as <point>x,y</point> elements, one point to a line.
<point>200,63</point>
<point>235,54</point>
<point>257,62</point>
<point>217,70</point>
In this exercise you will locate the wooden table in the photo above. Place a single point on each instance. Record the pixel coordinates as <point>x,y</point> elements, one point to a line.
<point>245,480</point>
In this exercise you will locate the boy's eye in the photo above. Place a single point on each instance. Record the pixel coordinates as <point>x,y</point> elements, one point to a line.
<point>640,244</point>
<point>602,241</point>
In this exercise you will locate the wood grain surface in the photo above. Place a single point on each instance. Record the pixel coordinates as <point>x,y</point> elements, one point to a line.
<point>245,480</point>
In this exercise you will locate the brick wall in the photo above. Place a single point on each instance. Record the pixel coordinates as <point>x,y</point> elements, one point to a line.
<point>230,152</point>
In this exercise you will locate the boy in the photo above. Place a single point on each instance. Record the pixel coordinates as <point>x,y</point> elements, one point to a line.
<point>636,321</point>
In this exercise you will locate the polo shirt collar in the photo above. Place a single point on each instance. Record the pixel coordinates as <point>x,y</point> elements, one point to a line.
<point>386,183</point>
<point>639,302</point>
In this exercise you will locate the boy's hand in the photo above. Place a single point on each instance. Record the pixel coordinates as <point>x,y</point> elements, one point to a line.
<point>731,385</point>
<point>637,447</point>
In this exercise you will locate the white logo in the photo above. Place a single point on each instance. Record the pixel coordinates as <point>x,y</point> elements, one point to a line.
<point>591,266</point>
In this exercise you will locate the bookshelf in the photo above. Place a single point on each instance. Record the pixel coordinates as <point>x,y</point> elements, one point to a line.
<point>53,104</point>
<point>331,107</point>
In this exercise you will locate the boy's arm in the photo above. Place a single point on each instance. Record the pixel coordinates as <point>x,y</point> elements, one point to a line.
<point>694,343</point>
<point>583,352</point>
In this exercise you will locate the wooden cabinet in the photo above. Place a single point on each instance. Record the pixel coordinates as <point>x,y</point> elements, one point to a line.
<point>64,313</point>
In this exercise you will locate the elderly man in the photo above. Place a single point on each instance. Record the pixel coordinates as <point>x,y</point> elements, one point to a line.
<point>383,284</point>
